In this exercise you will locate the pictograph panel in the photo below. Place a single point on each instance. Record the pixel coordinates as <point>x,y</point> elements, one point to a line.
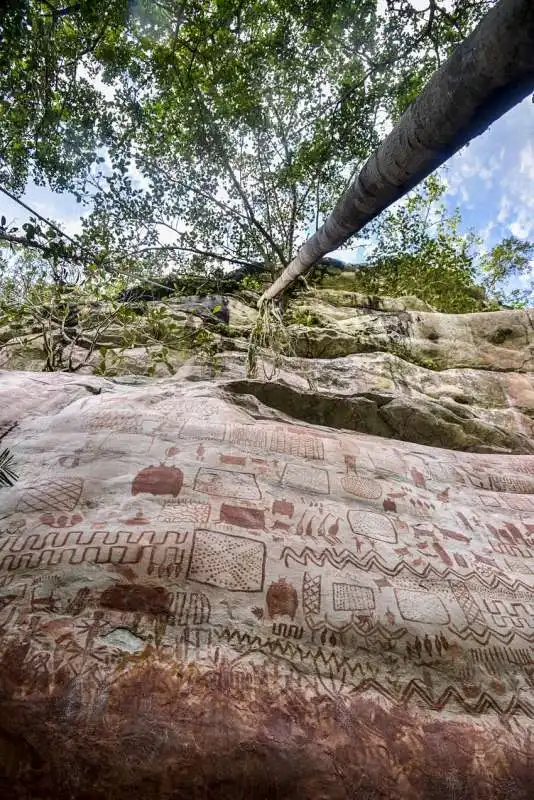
<point>372,525</point>
<point>421,606</point>
<point>351,597</point>
<point>236,563</point>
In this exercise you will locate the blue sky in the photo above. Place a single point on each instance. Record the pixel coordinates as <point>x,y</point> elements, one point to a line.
<point>492,180</point>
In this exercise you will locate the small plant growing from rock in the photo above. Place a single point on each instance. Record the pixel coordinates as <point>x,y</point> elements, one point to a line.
<point>303,316</point>
<point>251,284</point>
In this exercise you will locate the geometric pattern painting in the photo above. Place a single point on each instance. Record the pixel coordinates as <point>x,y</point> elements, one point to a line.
<point>227,561</point>
<point>202,605</point>
<point>348,597</point>
<point>421,607</point>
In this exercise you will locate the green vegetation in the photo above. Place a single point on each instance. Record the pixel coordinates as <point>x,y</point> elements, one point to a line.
<point>230,128</point>
<point>8,476</point>
<point>420,251</point>
<point>303,316</point>
<point>72,327</point>
<point>204,137</point>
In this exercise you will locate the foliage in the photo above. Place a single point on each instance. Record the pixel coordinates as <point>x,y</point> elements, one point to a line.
<point>420,251</point>
<point>251,283</point>
<point>8,476</point>
<point>429,37</point>
<point>305,317</point>
<point>202,134</point>
<point>57,254</point>
<point>270,340</point>
<point>71,328</point>
<point>53,117</point>
<point>221,132</point>
<point>511,258</point>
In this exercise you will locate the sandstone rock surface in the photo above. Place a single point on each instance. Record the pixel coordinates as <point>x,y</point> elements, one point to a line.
<point>315,587</point>
<point>201,597</point>
<point>387,366</point>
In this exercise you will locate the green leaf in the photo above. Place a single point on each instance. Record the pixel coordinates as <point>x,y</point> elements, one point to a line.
<point>7,474</point>
<point>29,230</point>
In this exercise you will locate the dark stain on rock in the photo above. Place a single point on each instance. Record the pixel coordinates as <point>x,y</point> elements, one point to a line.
<point>173,734</point>
<point>389,415</point>
<point>139,599</point>
<point>500,335</point>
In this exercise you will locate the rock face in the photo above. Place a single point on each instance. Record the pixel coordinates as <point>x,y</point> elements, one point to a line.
<point>386,396</point>
<point>315,587</point>
<point>202,597</point>
<point>386,366</point>
<point>498,340</point>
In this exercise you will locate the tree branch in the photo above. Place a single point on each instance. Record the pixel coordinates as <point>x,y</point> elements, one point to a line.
<point>212,128</point>
<point>43,248</point>
<point>57,13</point>
<point>38,216</point>
<point>198,251</point>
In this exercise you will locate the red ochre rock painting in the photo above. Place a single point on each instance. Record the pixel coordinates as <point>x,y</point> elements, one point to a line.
<point>242,517</point>
<point>52,495</point>
<point>153,600</point>
<point>227,483</point>
<point>227,561</point>
<point>361,487</point>
<point>61,521</point>
<point>372,525</point>
<point>158,480</point>
<point>136,519</point>
<point>239,461</point>
<point>284,508</point>
<point>281,599</point>
<point>340,630</point>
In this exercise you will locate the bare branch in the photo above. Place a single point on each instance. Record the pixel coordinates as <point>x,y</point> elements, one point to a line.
<point>198,251</point>
<point>39,216</point>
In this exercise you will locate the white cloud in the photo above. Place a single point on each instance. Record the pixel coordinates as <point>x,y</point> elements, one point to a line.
<point>107,90</point>
<point>168,236</point>
<point>464,194</point>
<point>525,278</point>
<point>505,206</point>
<point>60,208</point>
<point>355,254</point>
<point>467,167</point>
<point>526,166</point>
<point>72,227</point>
<point>486,234</point>
<point>519,229</point>
<point>516,210</point>
<point>497,172</point>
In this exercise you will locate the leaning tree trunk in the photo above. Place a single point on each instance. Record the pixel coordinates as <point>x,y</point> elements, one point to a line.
<point>491,71</point>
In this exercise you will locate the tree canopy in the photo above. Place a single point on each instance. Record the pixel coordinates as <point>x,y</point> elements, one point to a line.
<point>419,249</point>
<point>205,133</point>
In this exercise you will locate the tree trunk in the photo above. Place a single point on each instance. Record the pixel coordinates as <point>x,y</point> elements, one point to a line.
<point>491,71</point>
